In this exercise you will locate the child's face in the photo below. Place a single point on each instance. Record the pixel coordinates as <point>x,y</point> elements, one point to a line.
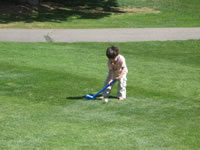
<point>113,60</point>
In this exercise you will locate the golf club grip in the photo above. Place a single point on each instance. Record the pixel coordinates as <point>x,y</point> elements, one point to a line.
<point>113,81</point>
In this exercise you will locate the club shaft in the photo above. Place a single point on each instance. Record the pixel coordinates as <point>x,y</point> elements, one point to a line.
<point>113,81</point>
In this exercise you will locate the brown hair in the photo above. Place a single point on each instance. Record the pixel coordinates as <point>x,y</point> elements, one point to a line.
<point>112,52</point>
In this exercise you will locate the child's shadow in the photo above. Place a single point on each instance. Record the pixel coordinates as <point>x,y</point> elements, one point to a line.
<point>83,97</point>
<point>76,98</point>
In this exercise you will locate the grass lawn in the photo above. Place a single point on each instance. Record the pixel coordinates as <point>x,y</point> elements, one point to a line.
<point>41,85</point>
<point>127,14</point>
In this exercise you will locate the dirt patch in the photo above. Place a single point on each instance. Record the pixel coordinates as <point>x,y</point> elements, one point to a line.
<point>52,6</point>
<point>144,9</point>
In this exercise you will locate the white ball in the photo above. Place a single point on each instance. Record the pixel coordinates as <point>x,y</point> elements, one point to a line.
<point>105,100</point>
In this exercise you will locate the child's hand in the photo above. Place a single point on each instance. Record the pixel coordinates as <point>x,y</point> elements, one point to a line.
<point>118,78</point>
<point>110,81</point>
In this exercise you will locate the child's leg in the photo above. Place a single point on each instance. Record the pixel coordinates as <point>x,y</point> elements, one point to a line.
<point>107,91</point>
<point>122,87</point>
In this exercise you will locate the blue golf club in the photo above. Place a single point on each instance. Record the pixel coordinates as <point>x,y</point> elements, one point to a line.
<point>92,97</point>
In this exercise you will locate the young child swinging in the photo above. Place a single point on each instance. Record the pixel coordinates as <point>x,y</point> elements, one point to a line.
<point>117,71</point>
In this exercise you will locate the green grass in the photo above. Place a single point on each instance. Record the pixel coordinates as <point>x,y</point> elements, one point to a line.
<point>41,85</point>
<point>149,13</point>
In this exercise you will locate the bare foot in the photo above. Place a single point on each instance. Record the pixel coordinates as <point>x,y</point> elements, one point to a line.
<point>101,97</point>
<point>121,98</point>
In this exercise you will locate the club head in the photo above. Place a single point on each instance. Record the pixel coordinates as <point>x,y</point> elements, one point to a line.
<point>89,97</point>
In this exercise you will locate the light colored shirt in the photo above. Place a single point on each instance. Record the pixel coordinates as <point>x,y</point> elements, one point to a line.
<point>117,67</point>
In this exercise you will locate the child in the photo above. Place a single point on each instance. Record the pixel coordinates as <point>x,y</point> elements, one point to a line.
<point>117,70</point>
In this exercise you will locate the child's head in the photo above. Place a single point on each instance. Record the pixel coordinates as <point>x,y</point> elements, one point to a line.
<point>112,52</point>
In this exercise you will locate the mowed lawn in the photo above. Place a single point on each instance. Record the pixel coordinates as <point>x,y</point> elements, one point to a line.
<point>115,14</point>
<point>42,84</point>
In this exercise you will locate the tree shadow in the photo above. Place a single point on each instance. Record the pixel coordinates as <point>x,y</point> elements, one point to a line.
<point>57,12</point>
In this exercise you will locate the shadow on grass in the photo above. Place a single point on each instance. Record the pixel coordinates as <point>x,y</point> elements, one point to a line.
<point>83,97</point>
<point>57,12</point>
<point>76,98</point>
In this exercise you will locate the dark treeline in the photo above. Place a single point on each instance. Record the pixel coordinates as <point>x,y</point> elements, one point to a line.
<point>52,10</point>
<point>105,4</point>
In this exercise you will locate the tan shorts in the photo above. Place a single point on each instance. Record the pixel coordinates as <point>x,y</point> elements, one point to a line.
<point>121,87</point>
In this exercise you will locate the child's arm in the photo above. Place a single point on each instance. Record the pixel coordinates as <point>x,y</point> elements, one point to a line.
<point>121,75</point>
<point>110,72</point>
<point>110,76</point>
<point>123,67</point>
